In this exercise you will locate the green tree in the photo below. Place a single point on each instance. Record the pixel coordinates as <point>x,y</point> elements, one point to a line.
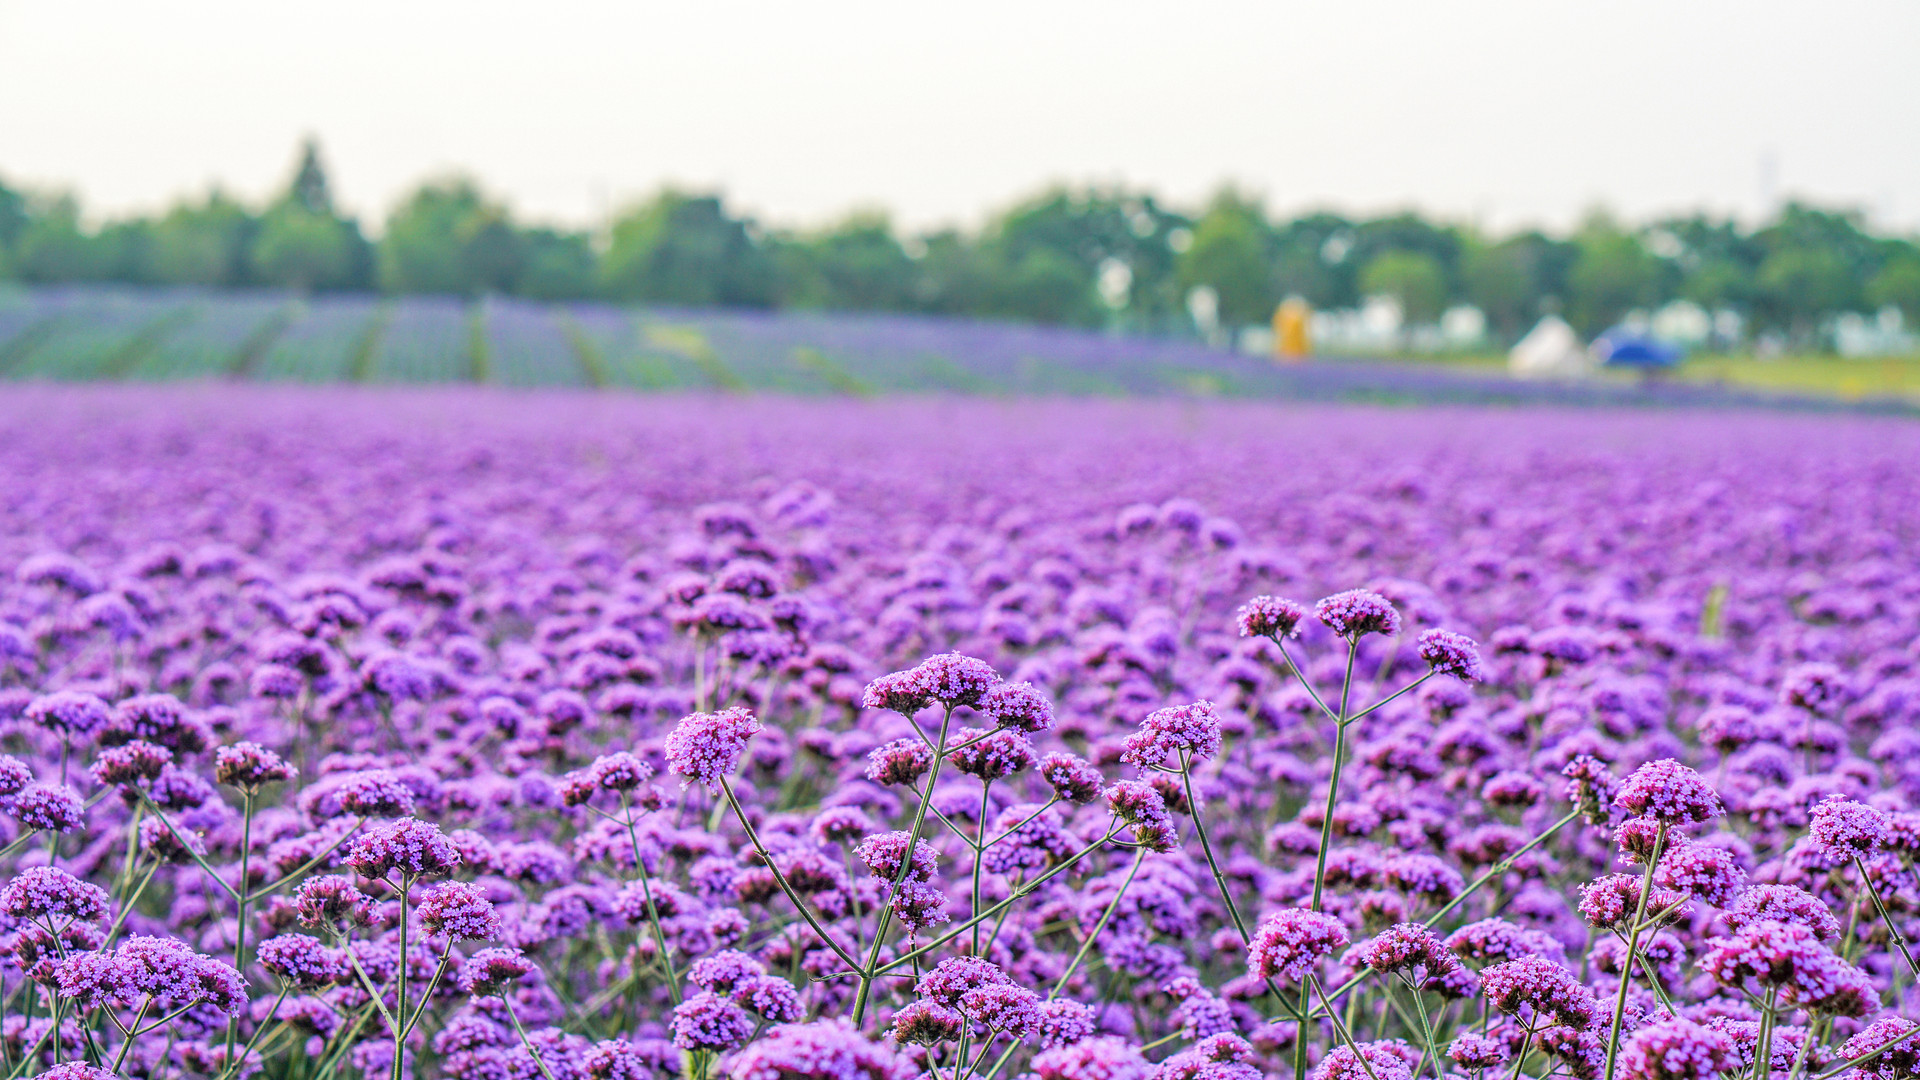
<point>310,190</point>
<point>1413,278</point>
<point>448,238</point>
<point>1897,284</point>
<point>51,247</point>
<point>1313,259</point>
<point>686,249</point>
<point>13,223</point>
<point>1816,262</point>
<point>1797,285</point>
<point>1612,274</point>
<point>857,264</point>
<point>1045,286</point>
<point>301,249</point>
<point>1503,280</point>
<point>302,242</point>
<point>203,244</point>
<point>1232,253</point>
<point>1087,230</point>
<point>558,266</point>
<point>954,276</point>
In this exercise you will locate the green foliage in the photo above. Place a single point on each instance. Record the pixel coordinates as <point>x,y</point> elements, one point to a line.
<point>1093,255</point>
<point>858,263</point>
<point>1897,285</point>
<point>1232,253</point>
<point>1612,274</point>
<point>558,266</point>
<point>1413,278</point>
<point>1798,284</point>
<point>310,190</point>
<point>686,250</point>
<point>205,244</point>
<point>447,238</point>
<point>1515,281</point>
<point>52,248</point>
<point>300,249</point>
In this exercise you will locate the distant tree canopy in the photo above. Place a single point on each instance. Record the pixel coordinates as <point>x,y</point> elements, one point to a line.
<point>1090,256</point>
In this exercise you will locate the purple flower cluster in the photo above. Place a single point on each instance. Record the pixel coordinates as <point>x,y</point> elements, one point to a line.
<point>1183,734</point>
<point>1289,945</point>
<point>707,747</point>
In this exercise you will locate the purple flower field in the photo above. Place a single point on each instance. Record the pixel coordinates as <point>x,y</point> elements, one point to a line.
<point>558,736</point>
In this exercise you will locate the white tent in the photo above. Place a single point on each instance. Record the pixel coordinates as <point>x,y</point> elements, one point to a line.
<point>1550,349</point>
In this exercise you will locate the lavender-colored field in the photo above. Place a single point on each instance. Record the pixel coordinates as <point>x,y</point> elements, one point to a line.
<point>510,735</point>
<point>97,334</point>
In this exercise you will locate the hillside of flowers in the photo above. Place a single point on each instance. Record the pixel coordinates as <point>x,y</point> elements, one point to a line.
<point>465,735</point>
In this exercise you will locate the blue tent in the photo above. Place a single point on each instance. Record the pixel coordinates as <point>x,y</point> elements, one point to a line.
<point>1619,347</point>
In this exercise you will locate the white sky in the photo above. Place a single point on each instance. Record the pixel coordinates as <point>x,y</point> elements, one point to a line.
<point>1500,111</point>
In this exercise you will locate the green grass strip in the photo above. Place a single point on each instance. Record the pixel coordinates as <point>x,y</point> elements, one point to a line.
<point>360,357</point>
<point>593,363</point>
<point>121,362</point>
<point>22,345</point>
<point>246,358</point>
<point>822,367</point>
<point>479,352</point>
<point>692,344</point>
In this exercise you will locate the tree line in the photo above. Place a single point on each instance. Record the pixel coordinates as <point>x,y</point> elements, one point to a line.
<point>1091,256</point>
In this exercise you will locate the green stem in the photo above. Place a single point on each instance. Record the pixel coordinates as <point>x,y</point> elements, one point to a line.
<point>154,809</point>
<point>240,903</point>
<point>400,980</point>
<point>1893,933</point>
<point>646,893</point>
<point>1633,945</point>
<point>1763,1049</point>
<point>1339,1028</point>
<point>780,879</point>
<point>906,866</point>
<point>507,1000</point>
<point>979,856</point>
<point>1200,830</point>
<point>1426,1033</point>
<point>233,1066</point>
<point>1094,935</point>
<point>1018,894</point>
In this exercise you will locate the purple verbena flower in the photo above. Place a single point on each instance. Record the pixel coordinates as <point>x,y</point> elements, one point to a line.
<point>1668,792</point>
<point>460,911</point>
<point>1448,653</point>
<point>1289,944</point>
<point>1073,779</point>
<point>1357,612</point>
<point>410,846</point>
<point>1846,830</point>
<point>706,747</point>
<point>1675,1049</point>
<point>1183,732</point>
<point>1018,706</point>
<point>1269,616</point>
<point>902,761</point>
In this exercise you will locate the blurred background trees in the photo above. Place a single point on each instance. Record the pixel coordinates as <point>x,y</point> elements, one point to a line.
<point>1088,256</point>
